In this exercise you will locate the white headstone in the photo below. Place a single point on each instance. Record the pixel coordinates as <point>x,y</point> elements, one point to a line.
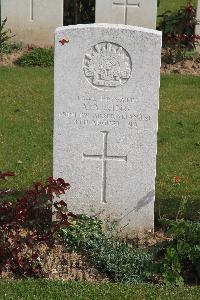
<point>197,30</point>
<point>129,12</point>
<point>33,21</point>
<point>106,117</point>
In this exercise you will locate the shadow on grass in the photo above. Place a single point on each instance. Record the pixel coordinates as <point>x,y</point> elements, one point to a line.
<point>170,208</point>
<point>12,195</point>
<point>173,208</point>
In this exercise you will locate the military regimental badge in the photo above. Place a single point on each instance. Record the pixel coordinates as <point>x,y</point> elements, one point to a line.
<point>107,65</point>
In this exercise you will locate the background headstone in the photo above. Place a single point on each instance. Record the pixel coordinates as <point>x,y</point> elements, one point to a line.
<point>33,21</point>
<point>106,117</point>
<point>197,29</point>
<point>129,12</point>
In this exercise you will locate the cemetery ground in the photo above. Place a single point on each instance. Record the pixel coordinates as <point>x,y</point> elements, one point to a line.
<point>26,149</point>
<point>36,261</point>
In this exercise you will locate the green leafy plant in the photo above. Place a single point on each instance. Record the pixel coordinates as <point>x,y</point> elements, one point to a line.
<point>4,34</point>
<point>182,258</point>
<point>8,48</point>
<point>121,262</point>
<point>84,230</point>
<point>38,57</point>
<point>178,29</point>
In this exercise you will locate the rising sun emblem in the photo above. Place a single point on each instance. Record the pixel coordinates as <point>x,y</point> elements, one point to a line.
<point>107,65</point>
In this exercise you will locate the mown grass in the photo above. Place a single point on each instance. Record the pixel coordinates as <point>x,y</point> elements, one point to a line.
<point>179,146</point>
<point>26,124</point>
<point>26,131</point>
<point>173,5</point>
<point>50,290</point>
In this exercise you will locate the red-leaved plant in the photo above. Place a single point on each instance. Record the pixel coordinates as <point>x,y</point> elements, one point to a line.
<point>27,222</point>
<point>178,30</point>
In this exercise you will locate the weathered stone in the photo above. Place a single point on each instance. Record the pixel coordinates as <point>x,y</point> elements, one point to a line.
<point>129,12</point>
<point>33,21</point>
<point>197,29</point>
<point>105,125</point>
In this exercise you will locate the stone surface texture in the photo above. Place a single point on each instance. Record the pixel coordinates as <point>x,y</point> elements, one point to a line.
<point>106,119</point>
<point>129,12</point>
<point>197,29</point>
<point>33,21</point>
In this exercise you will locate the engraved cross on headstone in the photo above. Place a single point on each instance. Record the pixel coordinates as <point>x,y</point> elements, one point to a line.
<point>104,158</point>
<point>126,4</point>
<point>31,10</point>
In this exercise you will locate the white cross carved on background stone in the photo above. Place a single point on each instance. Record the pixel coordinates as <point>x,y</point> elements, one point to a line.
<point>125,4</point>
<point>31,10</point>
<point>104,158</point>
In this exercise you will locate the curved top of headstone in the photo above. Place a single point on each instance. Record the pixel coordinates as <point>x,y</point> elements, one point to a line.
<point>109,26</point>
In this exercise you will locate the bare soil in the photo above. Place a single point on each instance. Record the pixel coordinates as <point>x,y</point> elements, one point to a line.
<point>58,264</point>
<point>185,67</point>
<point>153,239</point>
<point>9,59</point>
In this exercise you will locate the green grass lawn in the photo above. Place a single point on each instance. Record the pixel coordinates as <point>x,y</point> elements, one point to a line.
<point>26,124</point>
<point>26,131</point>
<point>179,145</point>
<point>172,5</point>
<point>50,290</point>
